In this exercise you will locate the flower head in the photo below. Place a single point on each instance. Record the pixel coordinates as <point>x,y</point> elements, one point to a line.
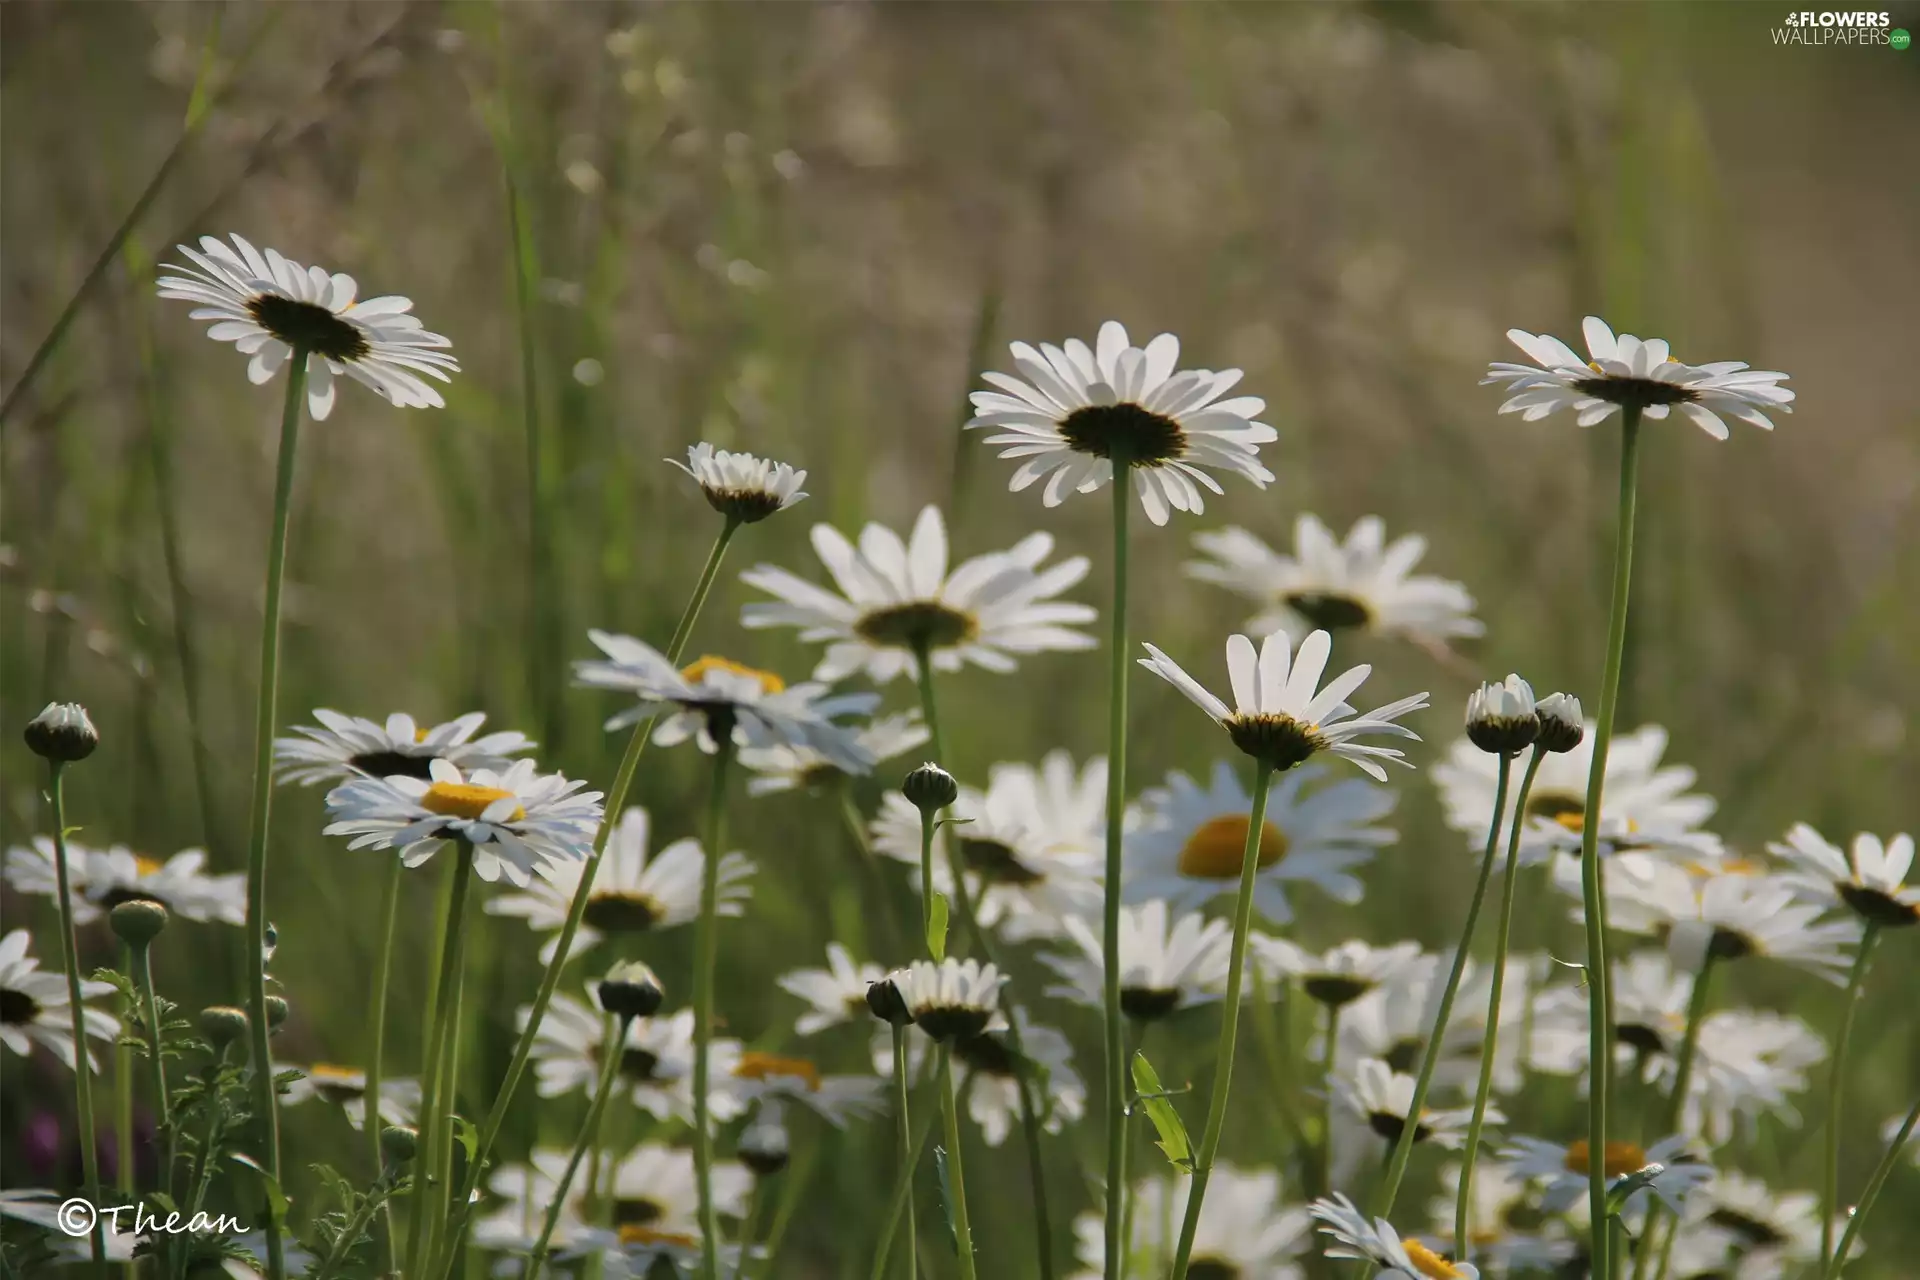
<point>630,990</point>
<point>838,993</point>
<point>346,747</point>
<point>1561,725</point>
<point>994,1069</point>
<point>1501,718</point>
<point>1669,1169</point>
<point>62,733</point>
<point>740,486</point>
<point>34,1008</point>
<point>1165,964</point>
<point>952,999</point>
<point>1246,1230</point>
<point>102,879</point>
<point>346,1088</point>
<point>788,768</point>
<point>1382,1099</point>
<point>1400,1258</point>
<point>1340,976</point>
<point>1870,879</point>
<point>1727,915</point>
<point>771,1078</point>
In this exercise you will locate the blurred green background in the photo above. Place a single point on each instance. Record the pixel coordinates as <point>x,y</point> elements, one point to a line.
<point>801,230</point>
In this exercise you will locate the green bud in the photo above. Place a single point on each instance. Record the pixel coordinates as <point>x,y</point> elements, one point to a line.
<point>222,1024</point>
<point>139,922</point>
<point>930,788</point>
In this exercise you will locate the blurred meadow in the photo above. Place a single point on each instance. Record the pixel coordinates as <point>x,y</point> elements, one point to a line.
<point>802,230</point>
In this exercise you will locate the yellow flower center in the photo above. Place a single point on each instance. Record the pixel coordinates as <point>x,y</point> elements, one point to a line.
<point>146,866</point>
<point>466,800</point>
<point>1429,1263</point>
<point>329,1071</point>
<point>636,1235</point>
<point>1214,850</point>
<point>419,735</point>
<point>769,682</point>
<point>768,1066</point>
<point>1622,1159</point>
<point>1729,867</point>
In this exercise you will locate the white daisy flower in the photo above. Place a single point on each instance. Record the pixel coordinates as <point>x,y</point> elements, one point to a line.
<point>1563,1171</point>
<point>1338,976</point>
<point>898,596</point>
<point>1030,844</point>
<point>41,1208</point>
<point>1394,1021</point>
<point>1162,969</point>
<point>101,879</point>
<point>1625,370</point>
<point>1245,1232</point>
<point>763,710</point>
<point>346,1088</point>
<point>517,820</point>
<point>342,748</point>
<point>837,993</point>
<point>1870,879</point>
<point>1366,583</point>
<point>528,1190</point>
<point>1073,411</point>
<point>1645,804</point>
<point>1769,1227</point>
<point>1277,718</point>
<point>757,1077</point>
<point>1187,841</point>
<point>269,306</point>
<point>656,1059</point>
<point>1377,1242</point>
<point>1506,1227</point>
<point>784,768</point>
<point>954,998</point>
<point>639,1251</point>
<point>34,1008</point>
<point>633,892</point>
<point>990,1066</point>
<point>741,486</point>
<point>1382,1099</point>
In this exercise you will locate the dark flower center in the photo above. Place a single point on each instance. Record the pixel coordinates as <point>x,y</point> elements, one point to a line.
<point>1403,1055</point>
<point>1336,989</point>
<point>1212,1269</point>
<point>1148,1004</point>
<point>1389,1126</point>
<point>748,506</point>
<point>1275,739</point>
<point>1139,436</point>
<point>1876,907</point>
<point>997,862</point>
<point>986,1053</point>
<point>1330,611</point>
<point>917,624</point>
<point>639,1064</point>
<point>1753,1230</point>
<point>388,764</point>
<point>820,774</point>
<point>952,1021</point>
<point>1643,1038</point>
<point>310,327</point>
<point>1729,945</point>
<point>621,913</point>
<point>636,1212</point>
<point>1635,391</point>
<point>17,1008</point>
<point>1555,805</point>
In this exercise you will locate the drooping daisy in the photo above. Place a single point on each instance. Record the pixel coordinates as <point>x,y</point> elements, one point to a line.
<point>1162,969</point>
<point>783,768</point>
<point>1073,412</point>
<point>34,1008</point>
<point>1768,1226</point>
<point>1245,1232</point>
<point>633,892</point>
<point>269,307</point>
<point>1400,1258</point>
<point>740,486</point>
<point>101,879</point>
<point>896,597</point>
<point>1626,371</point>
<point>953,998</point>
<point>764,712</point>
<point>991,1069</point>
<point>1365,584</point>
<point>1382,1099</point>
<point>1339,976</point>
<point>345,747</point>
<point>517,819</point>
<point>1030,844</point>
<point>1188,841</point>
<point>1562,1169</point>
<point>837,993</point>
<point>346,1088</point>
<point>656,1059</point>
<point>768,1077</point>
<point>1507,1229</point>
<point>1277,718</point>
<point>1870,879</point>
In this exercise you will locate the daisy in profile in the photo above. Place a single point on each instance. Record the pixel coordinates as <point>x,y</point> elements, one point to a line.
<point>270,307</point>
<point>633,892</point>
<point>1365,583</point>
<point>342,748</point>
<point>987,1060</point>
<point>950,999</point>
<point>762,710</point>
<point>1398,1257</point>
<point>1869,879</point>
<point>102,879</point>
<point>520,1195</point>
<point>34,1008</point>
<point>1073,413</point>
<point>1729,915</point>
<point>656,1059</point>
<point>770,1078</point>
<point>1669,1169</point>
<point>897,597</point>
<point>1626,371</point>
<point>740,486</point>
<point>1339,976</point>
<point>346,1088</point>
<point>1245,1232</point>
<point>1771,1230</point>
<point>1187,841</point>
<point>1278,718</point>
<point>1382,1098</point>
<point>835,994</point>
<point>785,768</point>
<point>517,820</point>
<point>1394,1021</point>
<point>1162,969</point>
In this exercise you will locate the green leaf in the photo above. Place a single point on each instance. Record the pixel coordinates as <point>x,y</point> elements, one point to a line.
<point>1154,1100</point>
<point>937,927</point>
<point>946,1196</point>
<point>276,1198</point>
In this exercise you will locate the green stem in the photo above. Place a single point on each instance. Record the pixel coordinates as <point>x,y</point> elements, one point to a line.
<point>203,1163</point>
<point>1599,1028</point>
<point>1430,1057</point>
<point>928,822</point>
<point>355,1228</point>
<point>1229,1022</point>
<point>1830,1188</point>
<point>1490,1047</point>
<point>873,887</point>
<point>377,1031</point>
<point>706,948</point>
<point>142,957</point>
<point>70,962</point>
<point>950,1115</point>
<point>1677,1101</point>
<point>1112,1024</point>
<point>747,1224</point>
<point>908,1154</point>
<point>589,1129</point>
<point>429,1199</point>
<point>1878,1180</point>
<point>902,1200</point>
<point>799,1174</point>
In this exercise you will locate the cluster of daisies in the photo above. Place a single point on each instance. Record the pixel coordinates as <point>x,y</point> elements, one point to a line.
<point>1376,1046</point>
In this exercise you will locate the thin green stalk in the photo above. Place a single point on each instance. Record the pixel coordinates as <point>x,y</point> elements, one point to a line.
<point>589,1129</point>
<point>203,1162</point>
<point>1112,1025</point>
<point>1490,1047</point>
<point>142,958</point>
<point>441,1221</point>
<point>908,1154</point>
<point>1878,1180</point>
<point>706,949</point>
<point>1136,1038</point>
<point>1830,1187</point>
<point>902,1200</point>
<point>1430,1056</point>
<point>1677,1101</point>
<point>873,886</point>
<point>1593,904</point>
<point>356,1226</point>
<point>377,1030</point>
<point>928,823</point>
<point>428,1198</point>
<point>747,1224</point>
<point>798,1175</point>
<point>956,1177</point>
<point>70,962</point>
<point>1229,1021</point>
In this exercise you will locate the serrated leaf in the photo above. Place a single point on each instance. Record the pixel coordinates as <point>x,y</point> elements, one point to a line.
<point>1171,1130</point>
<point>937,928</point>
<point>946,1197</point>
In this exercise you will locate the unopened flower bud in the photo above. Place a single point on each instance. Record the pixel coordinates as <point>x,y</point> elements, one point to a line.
<point>886,1002</point>
<point>1501,717</point>
<point>139,922</point>
<point>277,1011</point>
<point>630,990</point>
<point>930,788</point>
<point>763,1144</point>
<point>397,1144</point>
<point>222,1024</point>
<point>1561,724</point>
<point>62,733</point>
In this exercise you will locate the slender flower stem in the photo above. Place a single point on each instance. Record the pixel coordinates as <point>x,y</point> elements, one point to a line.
<point>1830,1187</point>
<point>928,822</point>
<point>70,962</point>
<point>1593,903</point>
<point>1113,1024</point>
<point>1677,1101</point>
<point>438,1094</point>
<point>706,949</point>
<point>377,1030</point>
<point>1490,1048</point>
<point>873,887</point>
<point>1881,1172</point>
<point>903,1194</point>
<point>203,1160</point>
<point>950,1114</point>
<point>609,1072</point>
<point>1229,1022</point>
<point>908,1151</point>
<point>375,1198</point>
<point>142,960</point>
<point>1430,1056</point>
<point>747,1223</point>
